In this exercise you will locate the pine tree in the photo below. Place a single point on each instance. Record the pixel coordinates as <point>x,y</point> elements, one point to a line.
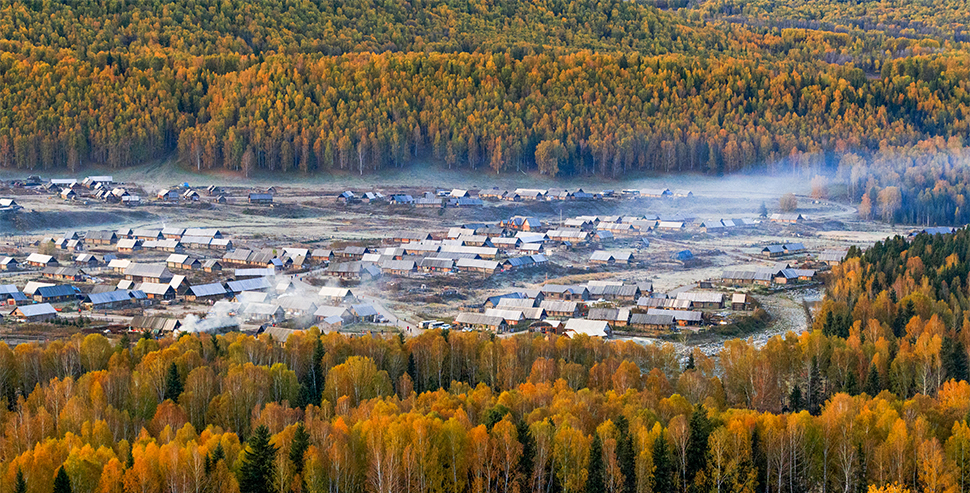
<point>527,461</point>
<point>851,386</point>
<point>173,383</point>
<point>814,388</point>
<point>954,359</point>
<point>763,210</point>
<point>625,455</point>
<point>62,483</point>
<point>700,430</point>
<point>20,484</point>
<point>256,472</point>
<point>663,464</point>
<point>795,399</point>
<point>758,462</point>
<point>594,480</point>
<point>872,386</point>
<point>690,362</point>
<point>413,373</point>
<point>317,371</point>
<point>123,344</point>
<point>298,447</point>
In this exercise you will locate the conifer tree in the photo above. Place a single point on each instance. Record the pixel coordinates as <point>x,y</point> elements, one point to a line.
<point>663,466</point>
<point>298,447</point>
<point>256,472</point>
<point>62,483</point>
<point>173,383</point>
<point>20,484</point>
<point>594,479</point>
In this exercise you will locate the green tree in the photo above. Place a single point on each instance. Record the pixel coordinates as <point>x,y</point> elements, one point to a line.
<point>20,484</point>
<point>173,383</point>
<point>663,464</point>
<point>594,480</point>
<point>62,483</point>
<point>256,472</point>
<point>763,210</point>
<point>700,430</point>
<point>298,447</point>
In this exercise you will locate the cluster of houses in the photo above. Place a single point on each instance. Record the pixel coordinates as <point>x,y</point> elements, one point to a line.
<point>779,273</point>
<point>598,308</point>
<point>440,198</point>
<point>100,188</point>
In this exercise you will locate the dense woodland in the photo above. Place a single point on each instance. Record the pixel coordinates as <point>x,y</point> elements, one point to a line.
<point>876,394</point>
<point>606,87</point>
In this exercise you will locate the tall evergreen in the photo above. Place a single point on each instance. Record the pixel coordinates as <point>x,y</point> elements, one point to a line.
<point>700,430</point>
<point>62,483</point>
<point>594,480</point>
<point>851,386</point>
<point>872,386</point>
<point>20,484</point>
<point>663,466</point>
<point>795,399</point>
<point>759,462</point>
<point>814,388</point>
<point>413,373</point>
<point>954,359</point>
<point>298,447</point>
<point>173,383</point>
<point>626,456</point>
<point>316,370</point>
<point>527,461</point>
<point>256,472</point>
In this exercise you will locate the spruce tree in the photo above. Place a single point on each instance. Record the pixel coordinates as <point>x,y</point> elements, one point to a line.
<point>759,462</point>
<point>173,383</point>
<point>256,472</point>
<point>815,388</point>
<point>298,447</point>
<point>62,483</point>
<point>851,386</point>
<point>413,373</point>
<point>954,359</point>
<point>872,386</point>
<point>625,455</point>
<point>20,484</point>
<point>700,430</point>
<point>527,461</point>
<point>317,371</point>
<point>663,466</point>
<point>795,399</point>
<point>594,479</point>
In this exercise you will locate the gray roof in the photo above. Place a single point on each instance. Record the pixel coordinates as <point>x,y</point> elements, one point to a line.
<point>36,310</point>
<point>148,270</point>
<point>609,314</point>
<point>56,291</point>
<point>254,284</point>
<point>330,311</point>
<point>651,319</point>
<point>470,318</point>
<point>155,288</point>
<point>109,297</point>
<point>558,306</point>
<point>213,289</point>
<point>690,316</point>
<point>364,310</point>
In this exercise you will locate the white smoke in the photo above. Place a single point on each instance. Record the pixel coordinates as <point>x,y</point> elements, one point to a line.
<point>211,322</point>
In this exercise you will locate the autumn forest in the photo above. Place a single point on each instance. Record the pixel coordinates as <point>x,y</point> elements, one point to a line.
<point>875,394</point>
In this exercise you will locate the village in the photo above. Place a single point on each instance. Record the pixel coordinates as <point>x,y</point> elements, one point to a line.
<point>642,275</point>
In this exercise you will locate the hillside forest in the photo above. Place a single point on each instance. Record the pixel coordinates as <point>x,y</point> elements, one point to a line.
<point>875,395</point>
